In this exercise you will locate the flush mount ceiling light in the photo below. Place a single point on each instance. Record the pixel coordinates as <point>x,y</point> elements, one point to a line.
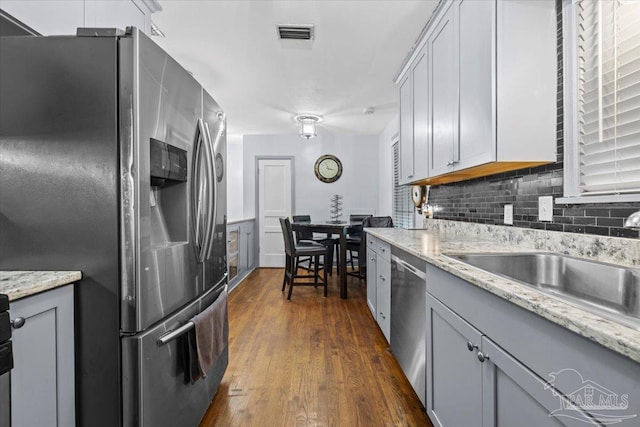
<point>308,125</point>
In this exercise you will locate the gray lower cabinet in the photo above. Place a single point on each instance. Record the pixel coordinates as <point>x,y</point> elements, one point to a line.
<point>383,296</point>
<point>453,374</point>
<point>42,381</point>
<point>372,281</point>
<point>240,250</point>
<point>492,363</point>
<point>379,283</point>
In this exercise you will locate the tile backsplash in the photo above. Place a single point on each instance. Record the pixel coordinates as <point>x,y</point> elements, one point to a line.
<point>482,200</point>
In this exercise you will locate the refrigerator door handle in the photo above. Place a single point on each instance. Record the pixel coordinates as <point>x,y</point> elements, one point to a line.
<point>199,192</point>
<point>213,204</point>
<point>173,334</point>
<point>211,188</point>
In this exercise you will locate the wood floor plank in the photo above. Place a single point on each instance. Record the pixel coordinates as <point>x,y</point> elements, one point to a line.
<point>311,361</point>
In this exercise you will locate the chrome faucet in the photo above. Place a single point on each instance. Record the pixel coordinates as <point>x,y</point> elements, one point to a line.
<point>633,221</point>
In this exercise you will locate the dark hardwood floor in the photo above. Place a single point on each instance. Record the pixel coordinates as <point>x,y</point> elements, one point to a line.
<point>311,361</point>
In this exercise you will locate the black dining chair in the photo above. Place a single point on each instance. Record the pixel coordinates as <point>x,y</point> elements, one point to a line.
<point>304,237</point>
<point>294,252</point>
<point>361,248</point>
<point>353,240</point>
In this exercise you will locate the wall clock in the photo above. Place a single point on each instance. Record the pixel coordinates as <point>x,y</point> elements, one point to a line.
<point>328,168</point>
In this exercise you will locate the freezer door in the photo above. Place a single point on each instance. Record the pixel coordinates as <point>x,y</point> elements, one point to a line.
<point>215,124</point>
<point>160,268</point>
<point>154,390</point>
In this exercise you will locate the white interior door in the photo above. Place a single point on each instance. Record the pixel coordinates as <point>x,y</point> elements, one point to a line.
<point>274,201</point>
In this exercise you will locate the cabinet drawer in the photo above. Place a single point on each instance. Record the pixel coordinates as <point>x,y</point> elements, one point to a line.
<point>383,250</point>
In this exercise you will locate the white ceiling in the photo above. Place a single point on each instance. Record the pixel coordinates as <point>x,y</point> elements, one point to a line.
<point>262,82</point>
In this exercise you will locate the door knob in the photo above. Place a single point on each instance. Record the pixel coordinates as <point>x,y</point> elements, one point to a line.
<point>18,322</point>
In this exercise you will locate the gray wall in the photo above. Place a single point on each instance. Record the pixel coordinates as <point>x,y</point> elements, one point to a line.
<point>358,184</point>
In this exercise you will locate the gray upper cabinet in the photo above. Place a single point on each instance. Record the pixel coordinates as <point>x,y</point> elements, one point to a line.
<point>444,94</point>
<point>420,79</point>
<point>490,100</point>
<point>476,142</point>
<point>406,131</point>
<point>64,17</point>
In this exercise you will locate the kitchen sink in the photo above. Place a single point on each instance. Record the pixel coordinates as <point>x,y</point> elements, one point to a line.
<point>608,290</point>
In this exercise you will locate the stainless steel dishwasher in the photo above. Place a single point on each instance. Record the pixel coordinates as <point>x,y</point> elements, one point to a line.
<point>408,317</point>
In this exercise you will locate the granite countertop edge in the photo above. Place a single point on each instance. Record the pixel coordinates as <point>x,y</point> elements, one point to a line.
<point>239,220</point>
<point>614,336</point>
<point>23,284</point>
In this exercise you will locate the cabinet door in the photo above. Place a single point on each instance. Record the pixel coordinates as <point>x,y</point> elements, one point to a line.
<point>242,250</point>
<point>475,27</point>
<point>420,76</point>
<point>372,282</point>
<point>383,296</point>
<point>42,381</point>
<point>454,373</point>
<point>513,393</point>
<point>233,238</point>
<point>443,65</point>
<point>251,259</point>
<point>406,130</point>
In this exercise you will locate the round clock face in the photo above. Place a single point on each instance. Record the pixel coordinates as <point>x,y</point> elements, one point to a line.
<point>328,168</point>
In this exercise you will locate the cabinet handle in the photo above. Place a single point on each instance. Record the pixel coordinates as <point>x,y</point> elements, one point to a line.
<point>482,357</point>
<point>18,322</point>
<point>373,259</point>
<point>383,316</point>
<point>452,162</point>
<point>382,278</point>
<point>471,346</point>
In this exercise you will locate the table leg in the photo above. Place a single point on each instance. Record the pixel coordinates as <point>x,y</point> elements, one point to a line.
<point>343,264</point>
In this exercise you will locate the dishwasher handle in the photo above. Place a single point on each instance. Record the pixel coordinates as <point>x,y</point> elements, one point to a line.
<point>407,266</point>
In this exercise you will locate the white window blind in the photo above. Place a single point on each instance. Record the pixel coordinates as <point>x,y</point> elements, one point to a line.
<point>607,121</point>
<point>402,205</point>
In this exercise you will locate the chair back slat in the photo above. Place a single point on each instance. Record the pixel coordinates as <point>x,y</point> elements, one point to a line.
<point>303,235</point>
<point>285,224</point>
<point>378,222</point>
<point>356,219</point>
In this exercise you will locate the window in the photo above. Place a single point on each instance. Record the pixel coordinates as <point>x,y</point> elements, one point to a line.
<point>602,100</point>
<point>402,206</point>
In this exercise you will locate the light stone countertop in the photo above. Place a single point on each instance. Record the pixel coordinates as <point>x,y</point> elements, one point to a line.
<point>22,284</point>
<point>430,245</point>
<point>238,221</point>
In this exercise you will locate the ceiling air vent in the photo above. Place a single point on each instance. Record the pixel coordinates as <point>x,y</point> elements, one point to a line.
<point>295,32</point>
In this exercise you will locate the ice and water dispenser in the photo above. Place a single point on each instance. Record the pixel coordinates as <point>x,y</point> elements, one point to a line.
<point>168,195</point>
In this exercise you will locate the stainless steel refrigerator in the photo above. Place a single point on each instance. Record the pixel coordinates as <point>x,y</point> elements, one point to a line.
<point>112,162</point>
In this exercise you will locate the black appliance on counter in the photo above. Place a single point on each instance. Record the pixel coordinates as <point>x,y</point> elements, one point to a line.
<point>6,362</point>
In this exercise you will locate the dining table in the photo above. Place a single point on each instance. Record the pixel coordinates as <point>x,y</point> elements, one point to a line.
<point>331,228</point>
